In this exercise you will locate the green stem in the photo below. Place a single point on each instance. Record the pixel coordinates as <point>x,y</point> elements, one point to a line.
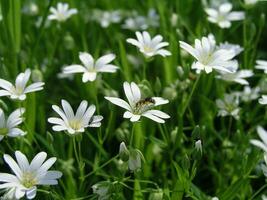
<point>258,192</point>
<point>103,165</point>
<point>132,136</point>
<point>191,94</point>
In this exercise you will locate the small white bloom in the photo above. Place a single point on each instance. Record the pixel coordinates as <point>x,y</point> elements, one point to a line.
<point>28,175</point>
<point>75,123</point>
<point>137,106</point>
<point>262,65</point>
<point>137,22</point>
<point>106,18</point>
<point>249,94</point>
<point>90,67</point>
<point>263,136</point>
<point>228,106</point>
<point>263,99</point>
<point>198,146</point>
<point>263,197</point>
<point>223,15</point>
<point>237,49</point>
<point>149,46</point>
<point>209,57</point>
<point>8,127</point>
<point>19,90</point>
<point>238,76</point>
<point>61,12</point>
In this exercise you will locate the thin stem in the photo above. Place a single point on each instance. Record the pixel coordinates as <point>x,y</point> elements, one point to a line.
<point>191,94</point>
<point>132,136</point>
<point>258,192</point>
<point>103,165</point>
<point>229,126</point>
<point>75,150</point>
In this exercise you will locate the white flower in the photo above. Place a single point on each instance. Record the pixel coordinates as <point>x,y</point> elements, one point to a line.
<point>263,99</point>
<point>238,76</point>
<point>137,22</point>
<point>8,127</point>
<point>75,123</point>
<point>137,106</point>
<point>249,94</point>
<point>149,46</point>
<point>223,16</point>
<point>262,65</point>
<point>237,49</point>
<point>263,197</point>
<point>62,12</point>
<point>28,176</point>
<point>228,106</point>
<point>209,57</point>
<point>105,18</point>
<point>91,67</point>
<point>263,136</point>
<point>19,90</point>
<point>251,2</point>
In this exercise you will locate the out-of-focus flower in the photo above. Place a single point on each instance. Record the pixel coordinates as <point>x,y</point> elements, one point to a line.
<point>19,90</point>
<point>28,176</point>
<point>223,15</point>
<point>102,190</point>
<point>263,99</point>
<point>106,18</point>
<point>262,65</point>
<point>237,77</point>
<point>250,3</point>
<point>237,49</point>
<point>249,94</point>
<point>90,67</point>
<point>62,75</point>
<point>62,12</point>
<point>137,22</point>
<point>228,106</point>
<point>137,106</point>
<point>209,57</point>
<point>8,127</point>
<point>149,46</point>
<point>263,136</point>
<point>264,197</point>
<point>30,9</point>
<point>75,123</point>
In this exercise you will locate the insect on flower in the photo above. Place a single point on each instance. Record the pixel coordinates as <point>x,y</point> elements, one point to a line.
<point>137,106</point>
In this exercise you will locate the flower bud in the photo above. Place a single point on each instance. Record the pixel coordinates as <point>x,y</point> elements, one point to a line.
<point>134,162</point>
<point>37,75</point>
<point>124,153</point>
<point>156,196</point>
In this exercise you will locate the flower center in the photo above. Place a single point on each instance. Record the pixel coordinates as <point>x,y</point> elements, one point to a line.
<point>143,105</point>
<point>75,124</point>
<point>17,90</point>
<point>28,180</point>
<point>3,131</point>
<point>148,49</point>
